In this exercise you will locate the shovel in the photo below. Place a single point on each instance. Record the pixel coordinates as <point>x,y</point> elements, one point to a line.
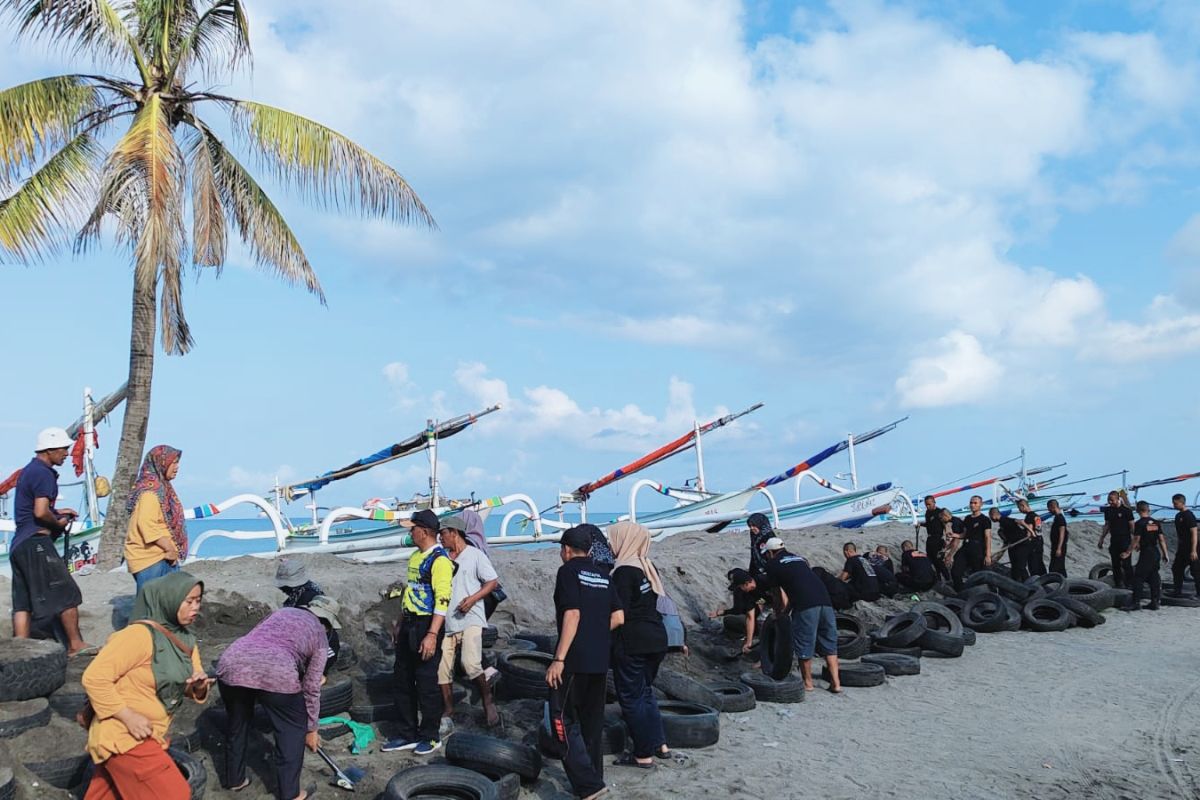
<point>342,780</point>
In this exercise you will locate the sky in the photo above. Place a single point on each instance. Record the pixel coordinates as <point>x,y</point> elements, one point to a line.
<point>980,216</point>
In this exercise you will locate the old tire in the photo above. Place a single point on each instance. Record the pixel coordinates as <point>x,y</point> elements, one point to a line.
<point>546,642</point>
<point>1045,616</point>
<point>490,634</point>
<point>939,617</point>
<point>777,648</point>
<point>860,675</point>
<point>1084,615</point>
<point>428,781</point>
<point>336,696</point>
<point>522,645</point>
<point>23,715</point>
<point>508,787</point>
<point>678,686</point>
<point>493,757</point>
<point>689,725</point>
<point>193,771</point>
<point>768,690</point>
<point>1094,593</point>
<point>62,773</point>
<point>968,637</point>
<point>30,668</point>
<point>902,630</point>
<point>853,641</point>
<point>894,664</point>
<point>915,652</point>
<point>985,613</point>
<point>1051,581</point>
<point>1178,602</point>
<point>524,674</point>
<point>732,697</point>
<point>946,645</point>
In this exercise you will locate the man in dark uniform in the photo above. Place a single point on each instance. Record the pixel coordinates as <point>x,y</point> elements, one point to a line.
<point>1058,539</point>
<point>1037,545</point>
<point>1016,539</point>
<point>973,547</point>
<point>935,541</point>
<point>1118,524</point>
<point>1149,542</point>
<point>1185,545</point>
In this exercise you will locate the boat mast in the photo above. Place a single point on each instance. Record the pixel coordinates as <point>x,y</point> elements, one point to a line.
<point>853,464</point>
<point>89,469</point>
<point>433,481</point>
<point>699,457</point>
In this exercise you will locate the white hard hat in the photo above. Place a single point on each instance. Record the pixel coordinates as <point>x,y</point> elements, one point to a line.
<point>51,438</point>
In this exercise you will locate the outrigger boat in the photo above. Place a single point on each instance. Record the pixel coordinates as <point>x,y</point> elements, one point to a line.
<point>1095,512</point>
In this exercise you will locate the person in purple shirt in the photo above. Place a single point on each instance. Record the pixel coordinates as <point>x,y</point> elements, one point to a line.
<point>280,665</point>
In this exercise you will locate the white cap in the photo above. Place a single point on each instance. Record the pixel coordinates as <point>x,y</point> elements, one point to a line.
<point>51,438</point>
<point>774,543</point>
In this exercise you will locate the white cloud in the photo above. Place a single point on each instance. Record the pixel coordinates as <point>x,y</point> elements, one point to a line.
<point>959,372</point>
<point>396,374</point>
<point>259,481</point>
<point>1146,81</point>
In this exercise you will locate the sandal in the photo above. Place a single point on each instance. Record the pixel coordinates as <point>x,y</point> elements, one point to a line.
<point>627,760</point>
<point>240,786</point>
<point>671,755</point>
<point>835,690</point>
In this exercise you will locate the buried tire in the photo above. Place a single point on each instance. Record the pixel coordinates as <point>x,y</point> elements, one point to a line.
<point>493,757</point>
<point>336,697</point>
<point>894,664</point>
<point>524,674</point>
<point>689,725</point>
<point>861,675</point>
<point>438,781</point>
<point>768,690</point>
<point>732,697</point>
<point>30,668</point>
<point>193,771</point>
<point>23,715</point>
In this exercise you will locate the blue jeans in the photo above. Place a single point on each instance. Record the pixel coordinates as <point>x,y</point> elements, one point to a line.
<point>814,629</point>
<point>634,676</point>
<point>155,570</point>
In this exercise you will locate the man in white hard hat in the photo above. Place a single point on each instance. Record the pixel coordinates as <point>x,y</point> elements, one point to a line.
<point>42,587</point>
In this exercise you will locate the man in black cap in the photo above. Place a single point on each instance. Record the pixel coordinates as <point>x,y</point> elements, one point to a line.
<point>583,608</point>
<point>419,639</point>
<point>748,604</point>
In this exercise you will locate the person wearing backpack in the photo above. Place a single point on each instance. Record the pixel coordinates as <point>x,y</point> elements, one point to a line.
<point>418,637</point>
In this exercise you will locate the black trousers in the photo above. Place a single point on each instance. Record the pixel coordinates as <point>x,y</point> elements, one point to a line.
<point>289,717</point>
<point>1183,560</point>
<point>1037,556</point>
<point>1018,561</point>
<point>906,581</point>
<point>1147,572</point>
<point>934,549</point>
<point>1058,563</point>
<point>580,698</point>
<point>417,682</point>
<point>968,559</point>
<point>1122,568</point>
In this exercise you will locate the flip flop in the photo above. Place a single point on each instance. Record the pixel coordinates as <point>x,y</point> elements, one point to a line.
<point>671,755</point>
<point>90,650</point>
<point>244,784</point>
<point>832,690</point>
<point>627,760</point>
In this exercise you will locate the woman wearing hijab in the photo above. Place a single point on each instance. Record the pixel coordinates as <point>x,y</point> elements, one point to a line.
<point>156,540</point>
<point>138,680</point>
<point>474,532</point>
<point>279,665</point>
<point>639,641</point>
<point>760,532</point>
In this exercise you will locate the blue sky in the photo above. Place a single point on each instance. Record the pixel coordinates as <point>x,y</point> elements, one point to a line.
<point>852,211</point>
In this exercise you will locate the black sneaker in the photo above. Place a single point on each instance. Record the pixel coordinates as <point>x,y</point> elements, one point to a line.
<point>1152,607</point>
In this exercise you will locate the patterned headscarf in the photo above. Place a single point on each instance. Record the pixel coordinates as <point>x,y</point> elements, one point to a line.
<point>153,478</point>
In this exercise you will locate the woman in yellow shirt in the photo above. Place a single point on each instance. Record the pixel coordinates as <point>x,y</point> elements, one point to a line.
<point>156,541</point>
<point>137,681</point>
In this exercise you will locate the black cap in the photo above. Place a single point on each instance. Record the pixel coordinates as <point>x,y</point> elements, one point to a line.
<point>737,576</point>
<point>578,538</point>
<point>425,518</point>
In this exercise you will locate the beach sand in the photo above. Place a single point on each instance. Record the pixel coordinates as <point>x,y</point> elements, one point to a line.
<point>1101,713</point>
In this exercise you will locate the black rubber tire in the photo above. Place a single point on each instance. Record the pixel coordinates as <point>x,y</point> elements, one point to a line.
<point>955,604</point>
<point>521,681</point>
<point>546,642</point>
<point>336,696</point>
<point>373,712</point>
<point>985,613</point>
<point>62,773</point>
<point>347,659</point>
<point>1094,593</point>
<point>766,690</point>
<point>23,715</point>
<point>434,780</point>
<point>1103,570</point>
<point>861,675</point>
<point>915,652</point>
<point>193,771</point>
<point>1178,602</point>
<point>853,641</point>
<point>1051,581</point>
<point>1046,616</point>
<point>689,725</point>
<point>946,590</point>
<point>522,645</point>
<point>1000,584</point>
<point>678,686</point>
<point>894,664</point>
<point>508,787</point>
<point>944,644</point>
<point>68,700</point>
<point>1083,615</point>
<point>939,617</point>
<point>493,757</point>
<point>1013,621</point>
<point>30,668</point>
<point>732,697</point>
<point>1120,597</point>
<point>902,630</point>
<point>777,648</point>
<point>328,732</point>
<point>968,637</point>
<point>490,634</point>
<point>8,784</point>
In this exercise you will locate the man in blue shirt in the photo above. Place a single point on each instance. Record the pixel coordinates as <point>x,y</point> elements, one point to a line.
<point>43,590</point>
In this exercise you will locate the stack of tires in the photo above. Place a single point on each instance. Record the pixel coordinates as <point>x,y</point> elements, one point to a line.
<point>991,602</point>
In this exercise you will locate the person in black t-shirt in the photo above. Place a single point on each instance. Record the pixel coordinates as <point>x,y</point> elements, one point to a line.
<point>859,574</point>
<point>639,642</point>
<point>1149,542</point>
<point>1185,545</point>
<point>916,569</point>
<point>881,561</point>
<point>1037,545</point>
<point>748,605</point>
<point>583,609</point>
<point>1118,524</point>
<point>1058,539</point>
<point>973,547</point>
<point>840,594</point>
<point>935,542</point>
<point>1016,537</point>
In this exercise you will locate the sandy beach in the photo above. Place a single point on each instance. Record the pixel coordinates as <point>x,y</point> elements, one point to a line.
<point>1100,713</point>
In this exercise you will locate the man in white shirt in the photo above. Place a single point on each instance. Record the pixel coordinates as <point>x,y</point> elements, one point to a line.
<point>474,579</point>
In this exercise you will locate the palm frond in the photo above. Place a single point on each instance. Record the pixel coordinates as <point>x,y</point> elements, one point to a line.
<point>325,166</point>
<point>42,215</point>
<point>95,27</point>
<point>262,228</point>
<point>208,212</point>
<point>40,117</point>
<point>162,26</point>
<point>219,40</point>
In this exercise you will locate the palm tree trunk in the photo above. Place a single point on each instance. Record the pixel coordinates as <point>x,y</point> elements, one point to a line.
<point>137,417</point>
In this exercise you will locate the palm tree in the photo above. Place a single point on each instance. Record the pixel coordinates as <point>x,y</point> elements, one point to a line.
<point>162,57</point>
